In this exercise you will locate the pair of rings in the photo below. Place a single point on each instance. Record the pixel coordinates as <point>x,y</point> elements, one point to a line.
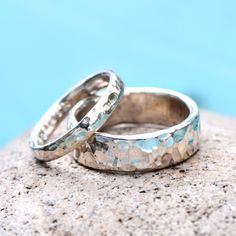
<point>170,120</point>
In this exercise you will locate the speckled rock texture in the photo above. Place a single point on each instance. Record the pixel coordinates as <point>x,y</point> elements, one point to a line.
<point>197,197</point>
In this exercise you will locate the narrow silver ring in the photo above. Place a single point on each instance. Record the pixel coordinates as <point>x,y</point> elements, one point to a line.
<point>177,140</point>
<point>108,83</point>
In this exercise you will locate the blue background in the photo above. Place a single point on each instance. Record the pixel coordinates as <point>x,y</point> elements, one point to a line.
<point>47,46</point>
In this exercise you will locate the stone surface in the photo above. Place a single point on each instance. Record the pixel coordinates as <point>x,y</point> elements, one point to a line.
<point>197,197</point>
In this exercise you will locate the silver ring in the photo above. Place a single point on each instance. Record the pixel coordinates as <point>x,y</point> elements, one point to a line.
<point>90,122</point>
<point>174,116</point>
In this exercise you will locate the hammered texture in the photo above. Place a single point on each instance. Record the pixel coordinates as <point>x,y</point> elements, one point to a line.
<point>168,149</point>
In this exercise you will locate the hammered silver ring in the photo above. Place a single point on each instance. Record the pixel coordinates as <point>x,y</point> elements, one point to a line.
<point>173,137</point>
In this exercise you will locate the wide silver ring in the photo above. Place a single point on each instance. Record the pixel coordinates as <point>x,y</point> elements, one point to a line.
<point>106,82</point>
<point>174,117</point>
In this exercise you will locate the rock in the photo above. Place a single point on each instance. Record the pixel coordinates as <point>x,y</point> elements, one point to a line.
<point>197,197</point>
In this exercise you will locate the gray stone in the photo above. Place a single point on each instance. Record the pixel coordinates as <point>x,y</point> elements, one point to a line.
<point>197,197</point>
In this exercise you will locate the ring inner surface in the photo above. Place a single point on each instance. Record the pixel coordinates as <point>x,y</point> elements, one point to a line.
<point>56,115</point>
<point>140,113</point>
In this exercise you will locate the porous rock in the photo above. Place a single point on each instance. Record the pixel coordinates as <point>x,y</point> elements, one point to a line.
<point>196,197</point>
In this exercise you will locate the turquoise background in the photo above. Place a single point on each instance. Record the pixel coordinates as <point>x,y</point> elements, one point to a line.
<point>48,46</point>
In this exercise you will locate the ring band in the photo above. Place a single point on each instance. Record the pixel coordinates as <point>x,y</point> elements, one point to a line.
<point>148,151</point>
<point>89,123</point>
